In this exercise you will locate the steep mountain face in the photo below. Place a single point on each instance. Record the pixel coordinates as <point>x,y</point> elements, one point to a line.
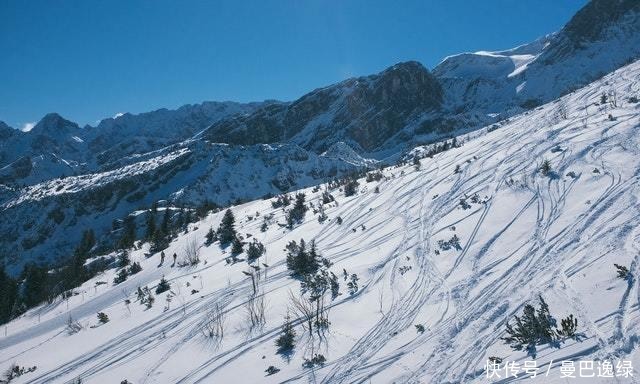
<point>6,131</point>
<point>364,112</point>
<point>53,148</point>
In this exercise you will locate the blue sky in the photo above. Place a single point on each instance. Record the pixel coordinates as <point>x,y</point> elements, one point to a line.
<point>92,59</point>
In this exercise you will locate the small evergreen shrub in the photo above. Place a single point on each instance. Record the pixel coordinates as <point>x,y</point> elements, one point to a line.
<point>163,286</point>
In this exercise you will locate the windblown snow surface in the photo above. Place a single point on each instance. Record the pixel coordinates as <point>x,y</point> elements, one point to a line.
<point>521,234</point>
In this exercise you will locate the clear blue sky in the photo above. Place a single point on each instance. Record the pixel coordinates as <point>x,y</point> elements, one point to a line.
<point>92,59</point>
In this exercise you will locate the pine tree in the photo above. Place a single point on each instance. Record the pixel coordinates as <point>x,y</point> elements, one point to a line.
<point>352,285</point>
<point>335,286</point>
<point>569,327</point>
<point>159,241</point>
<point>121,277</point>
<point>296,214</point>
<point>8,295</point>
<point>124,259</point>
<point>236,246</point>
<point>286,341</point>
<point>166,222</point>
<point>301,261</point>
<point>351,187</point>
<point>255,250</point>
<point>623,272</point>
<point>532,328</point>
<point>313,260</point>
<point>135,268</point>
<point>35,284</point>
<point>103,318</point>
<point>180,220</point>
<point>76,273</point>
<point>327,197</point>
<point>545,168</point>
<point>211,237</point>
<point>296,257</point>
<point>162,286</point>
<point>151,226</point>
<point>227,231</point>
<point>187,219</point>
<point>128,236</point>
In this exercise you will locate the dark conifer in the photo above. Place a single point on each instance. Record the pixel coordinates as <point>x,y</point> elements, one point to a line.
<point>227,231</point>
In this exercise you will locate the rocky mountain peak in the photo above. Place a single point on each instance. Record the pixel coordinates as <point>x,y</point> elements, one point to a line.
<point>589,23</point>
<point>53,123</point>
<point>6,131</point>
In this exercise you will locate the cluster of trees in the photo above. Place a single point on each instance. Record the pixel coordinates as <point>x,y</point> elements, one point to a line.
<point>281,201</point>
<point>302,261</point>
<point>296,214</point>
<point>432,151</point>
<point>317,283</point>
<point>127,268</point>
<point>39,283</point>
<point>536,326</point>
<point>351,187</point>
<point>159,231</point>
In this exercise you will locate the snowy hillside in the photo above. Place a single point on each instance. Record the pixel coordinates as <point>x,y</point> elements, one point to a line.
<point>49,217</point>
<point>444,256</point>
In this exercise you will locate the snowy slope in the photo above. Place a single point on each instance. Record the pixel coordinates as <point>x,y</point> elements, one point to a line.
<point>521,234</point>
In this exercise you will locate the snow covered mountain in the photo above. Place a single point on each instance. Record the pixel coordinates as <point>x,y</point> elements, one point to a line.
<point>601,37</point>
<point>431,262</point>
<point>128,134</point>
<point>56,147</point>
<point>406,105</point>
<point>52,148</point>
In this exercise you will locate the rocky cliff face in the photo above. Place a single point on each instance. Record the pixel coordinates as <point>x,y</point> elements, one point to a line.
<point>365,112</point>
